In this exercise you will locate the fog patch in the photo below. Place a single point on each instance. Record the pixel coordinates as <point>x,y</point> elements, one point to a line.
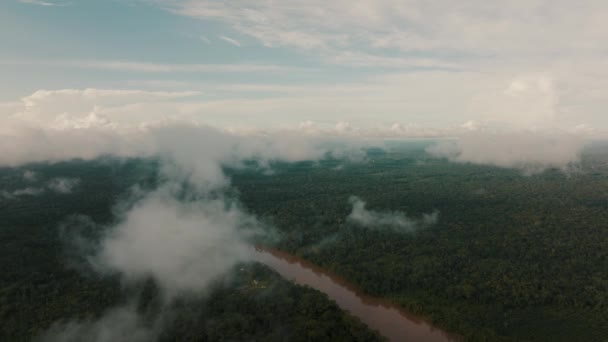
<point>29,191</point>
<point>182,245</point>
<point>480,192</point>
<point>120,324</point>
<point>63,185</point>
<point>55,185</point>
<point>530,152</point>
<point>390,220</point>
<point>30,176</point>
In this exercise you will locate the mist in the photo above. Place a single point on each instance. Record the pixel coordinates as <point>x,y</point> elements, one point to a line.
<point>120,324</point>
<point>61,186</point>
<point>387,220</point>
<point>187,232</point>
<point>530,152</point>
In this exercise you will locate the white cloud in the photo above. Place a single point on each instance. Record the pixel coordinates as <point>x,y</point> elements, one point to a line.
<point>29,191</point>
<point>183,246</point>
<point>137,66</point>
<point>63,185</point>
<point>231,41</point>
<point>57,185</point>
<point>529,101</point>
<point>397,221</point>
<point>549,52</point>
<point>531,152</point>
<point>87,108</point>
<point>65,124</point>
<point>30,176</point>
<point>476,28</point>
<point>119,324</point>
<point>359,59</point>
<point>40,3</point>
<point>71,123</point>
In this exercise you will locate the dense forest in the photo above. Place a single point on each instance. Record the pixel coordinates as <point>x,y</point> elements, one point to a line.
<point>511,256</point>
<point>45,283</point>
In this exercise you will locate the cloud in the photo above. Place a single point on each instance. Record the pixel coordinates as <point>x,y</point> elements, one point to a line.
<point>548,53</point>
<point>57,185</point>
<point>29,191</point>
<point>86,124</point>
<point>30,176</point>
<point>54,125</point>
<point>146,67</point>
<point>183,246</point>
<point>532,152</point>
<point>87,108</point>
<point>478,28</point>
<point>360,59</point>
<point>396,221</point>
<point>119,324</point>
<point>231,41</point>
<point>63,185</point>
<point>529,101</point>
<point>519,124</point>
<point>40,3</point>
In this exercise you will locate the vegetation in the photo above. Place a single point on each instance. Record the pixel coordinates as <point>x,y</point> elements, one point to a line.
<point>259,305</point>
<point>512,257</point>
<point>43,281</point>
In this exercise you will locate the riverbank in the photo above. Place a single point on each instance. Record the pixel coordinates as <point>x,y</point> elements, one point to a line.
<point>388,319</point>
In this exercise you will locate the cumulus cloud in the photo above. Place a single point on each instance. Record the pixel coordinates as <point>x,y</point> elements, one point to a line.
<point>529,101</point>
<point>396,221</point>
<point>519,126</point>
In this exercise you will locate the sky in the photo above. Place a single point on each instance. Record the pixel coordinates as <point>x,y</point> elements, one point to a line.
<point>377,64</point>
<point>204,84</point>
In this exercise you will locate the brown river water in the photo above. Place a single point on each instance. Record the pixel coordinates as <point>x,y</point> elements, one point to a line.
<point>389,320</point>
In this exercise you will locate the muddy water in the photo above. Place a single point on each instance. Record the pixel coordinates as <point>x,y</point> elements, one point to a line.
<point>391,322</point>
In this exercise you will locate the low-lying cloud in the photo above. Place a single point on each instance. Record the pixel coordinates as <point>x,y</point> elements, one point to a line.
<point>63,185</point>
<point>55,185</point>
<point>120,324</point>
<point>182,244</point>
<point>389,220</point>
<point>531,152</point>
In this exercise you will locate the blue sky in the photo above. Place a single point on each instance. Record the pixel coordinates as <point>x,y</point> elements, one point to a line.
<point>371,63</point>
<point>37,36</point>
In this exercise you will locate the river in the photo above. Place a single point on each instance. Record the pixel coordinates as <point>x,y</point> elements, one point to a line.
<point>389,320</point>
